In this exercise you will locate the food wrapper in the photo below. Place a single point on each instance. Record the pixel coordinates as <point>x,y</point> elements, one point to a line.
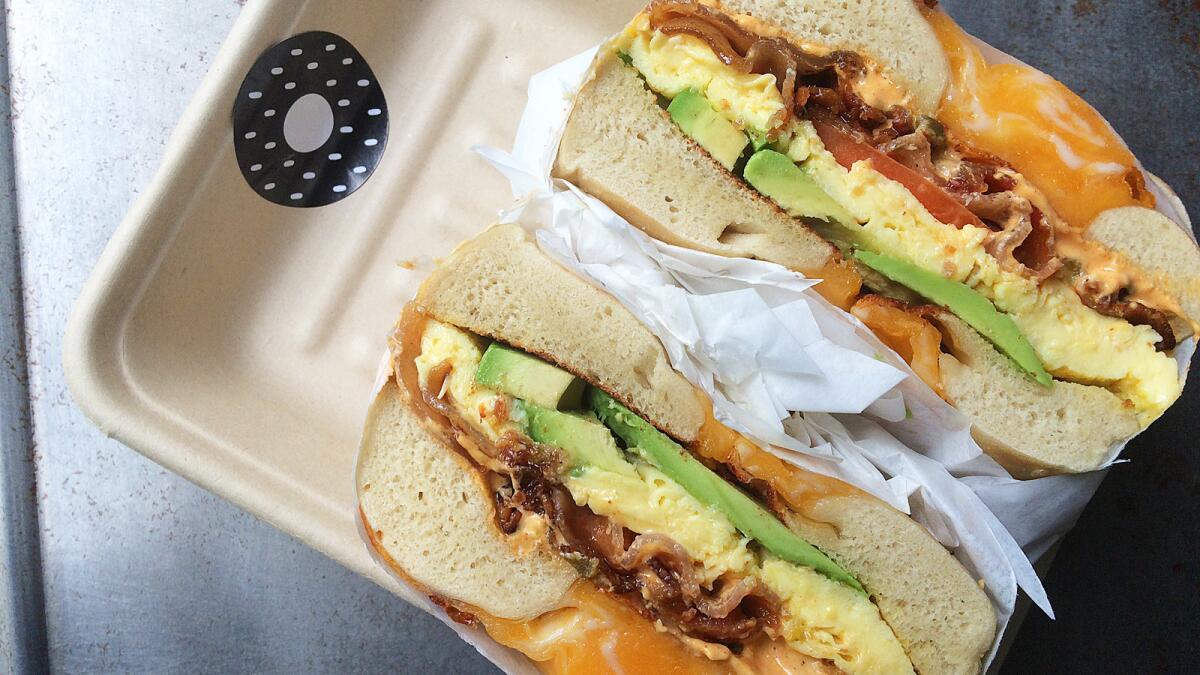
<point>763,345</point>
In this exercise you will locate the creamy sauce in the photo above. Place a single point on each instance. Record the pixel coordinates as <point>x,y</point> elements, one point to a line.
<point>878,91</point>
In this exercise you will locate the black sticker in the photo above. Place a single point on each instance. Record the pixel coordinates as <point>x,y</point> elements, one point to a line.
<point>317,92</point>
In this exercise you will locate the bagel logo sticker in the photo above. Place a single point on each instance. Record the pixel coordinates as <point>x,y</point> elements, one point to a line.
<point>310,122</point>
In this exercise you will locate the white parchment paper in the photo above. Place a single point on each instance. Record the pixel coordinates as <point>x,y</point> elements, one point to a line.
<point>792,372</point>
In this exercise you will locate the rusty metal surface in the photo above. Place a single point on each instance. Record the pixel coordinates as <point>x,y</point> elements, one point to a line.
<point>22,628</point>
<point>143,572</point>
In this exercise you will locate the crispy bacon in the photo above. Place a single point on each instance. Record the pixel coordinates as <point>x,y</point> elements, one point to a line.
<point>1116,305</point>
<point>656,572</point>
<point>729,41</point>
<point>913,151</point>
<point>822,89</point>
<point>1037,253</point>
<point>1023,241</point>
<point>779,58</point>
<point>699,28</point>
<point>651,572</point>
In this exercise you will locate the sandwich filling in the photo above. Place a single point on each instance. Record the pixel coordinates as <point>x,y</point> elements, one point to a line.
<point>684,543</point>
<point>831,141</point>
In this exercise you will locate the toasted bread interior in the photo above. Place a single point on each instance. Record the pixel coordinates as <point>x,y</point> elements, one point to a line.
<point>1031,430</point>
<point>502,286</point>
<point>936,609</point>
<point>429,511</point>
<point>1159,246</point>
<point>677,193</point>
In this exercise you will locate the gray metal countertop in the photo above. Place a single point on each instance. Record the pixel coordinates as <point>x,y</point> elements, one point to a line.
<point>139,571</point>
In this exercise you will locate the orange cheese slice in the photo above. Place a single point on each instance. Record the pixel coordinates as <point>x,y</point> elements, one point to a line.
<point>1046,131</point>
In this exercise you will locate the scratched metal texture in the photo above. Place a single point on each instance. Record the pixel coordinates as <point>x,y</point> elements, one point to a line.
<point>142,572</point>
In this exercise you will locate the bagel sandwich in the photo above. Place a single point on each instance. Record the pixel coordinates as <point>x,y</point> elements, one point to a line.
<point>982,219</point>
<point>536,466</point>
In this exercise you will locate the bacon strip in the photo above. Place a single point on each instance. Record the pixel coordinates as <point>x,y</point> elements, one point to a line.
<point>658,573</point>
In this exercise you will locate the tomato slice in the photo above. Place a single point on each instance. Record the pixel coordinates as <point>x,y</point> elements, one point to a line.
<point>846,150</point>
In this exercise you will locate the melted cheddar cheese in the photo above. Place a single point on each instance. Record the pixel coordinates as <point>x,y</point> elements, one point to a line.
<point>597,634</point>
<point>1046,131</point>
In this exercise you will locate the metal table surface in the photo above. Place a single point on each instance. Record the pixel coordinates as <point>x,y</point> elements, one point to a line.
<point>120,566</point>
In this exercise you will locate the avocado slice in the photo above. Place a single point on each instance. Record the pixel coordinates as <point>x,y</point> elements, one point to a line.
<point>968,304</point>
<point>746,515</point>
<point>758,141</point>
<point>585,440</point>
<point>775,175</point>
<point>696,117</point>
<point>518,374</point>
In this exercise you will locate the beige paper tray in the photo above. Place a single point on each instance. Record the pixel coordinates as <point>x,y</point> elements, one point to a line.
<point>235,341</point>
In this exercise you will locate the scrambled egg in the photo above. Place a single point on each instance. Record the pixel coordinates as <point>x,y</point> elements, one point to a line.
<point>443,343</point>
<point>1074,342</point>
<point>673,63</point>
<point>649,501</point>
<point>820,618</point>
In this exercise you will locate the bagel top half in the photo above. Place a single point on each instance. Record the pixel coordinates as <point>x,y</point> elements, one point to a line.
<point>906,144</point>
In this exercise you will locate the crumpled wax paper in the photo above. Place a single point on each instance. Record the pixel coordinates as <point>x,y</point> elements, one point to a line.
<point>792,372</point>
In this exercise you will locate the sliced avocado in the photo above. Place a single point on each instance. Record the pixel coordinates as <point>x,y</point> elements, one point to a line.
<point>696,117</point>
<point>678,464</point>
<point>518,374</point>
<point>585,441</point>
<point>758,141</point>
<point>777,176</point>
<point>968,305</point>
